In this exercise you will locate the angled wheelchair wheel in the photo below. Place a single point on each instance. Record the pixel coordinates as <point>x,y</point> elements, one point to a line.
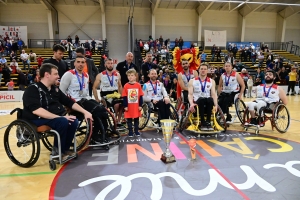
<point>83,134</point>
<point>281,118</point>
<point>221,119</point>
<point>21,143</point>
<point>240,108</point>
<point>183,120</point>
<point>47,141</point>
<point>174,114</point>
<point>143,120</point>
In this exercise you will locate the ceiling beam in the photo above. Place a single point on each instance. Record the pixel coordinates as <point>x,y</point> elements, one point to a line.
<point>246,10</point>
<point>102,6</point>
<point>154,7</point>
<point>289,11</point>
<point>4,2</point>
<point>242,3</point>
<point>201,8</point>
<point>46,5</point>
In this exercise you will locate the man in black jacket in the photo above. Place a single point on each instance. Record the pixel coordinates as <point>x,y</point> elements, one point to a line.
<point>147,66</point>
<point>89,68</point>
<point>123,67</point>
<point>58,53</point>
<point>44,103</point>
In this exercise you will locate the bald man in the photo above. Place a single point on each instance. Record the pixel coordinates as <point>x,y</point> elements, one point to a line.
<point>123,67</point>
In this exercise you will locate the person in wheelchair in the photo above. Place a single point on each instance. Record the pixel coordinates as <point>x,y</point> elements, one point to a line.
<point>267,95</point>
<point>230,84</point>
<point>44,105</point>
<point>202,93</point>
<point>184,78</point>
<point>155,92</point>
<point>75,84</point>
<point>110,82</point>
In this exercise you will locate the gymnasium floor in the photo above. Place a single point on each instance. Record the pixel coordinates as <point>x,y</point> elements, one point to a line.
<point>237,163</point>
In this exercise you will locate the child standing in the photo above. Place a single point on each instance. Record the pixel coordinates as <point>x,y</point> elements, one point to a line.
<point>292,81</point>
<point>132,101</point>
<point>250,85</point>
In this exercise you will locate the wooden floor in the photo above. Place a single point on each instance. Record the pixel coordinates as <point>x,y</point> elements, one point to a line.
<point>34,183</point>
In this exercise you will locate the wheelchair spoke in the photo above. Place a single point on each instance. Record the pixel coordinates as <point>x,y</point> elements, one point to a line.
<point>281,118</point>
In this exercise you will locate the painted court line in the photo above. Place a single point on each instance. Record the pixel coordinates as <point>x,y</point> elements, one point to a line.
<point>216,169</point>
<point>26,174</point>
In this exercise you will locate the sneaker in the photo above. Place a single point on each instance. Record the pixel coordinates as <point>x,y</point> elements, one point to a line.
<point>209,127</point>
<point>287,94</point>
<point>228,118</point>
<point>96,138</point>
<point>253,121</point>
<point>130,134</point>
<point>247,123</point>
<point>138,134</point>
<point>203,128</point>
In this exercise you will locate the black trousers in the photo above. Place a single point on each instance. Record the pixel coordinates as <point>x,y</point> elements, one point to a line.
<point>291,86</point>
<point>163,109</point>
<point>226,100</point>
<point>205,107</point>
<point>136,125</point>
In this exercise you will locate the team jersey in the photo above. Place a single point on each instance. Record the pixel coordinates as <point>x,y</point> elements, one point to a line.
<point>186,78</point>
<point>267,94</point>
<point>154,91</point>
<point>109,83</point>
<point>232,84</point>
<point>203,90</point>
<point>73,89</point>
<point>133,93</point>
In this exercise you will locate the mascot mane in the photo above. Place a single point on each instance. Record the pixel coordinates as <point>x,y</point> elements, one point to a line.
<point>189,54</point>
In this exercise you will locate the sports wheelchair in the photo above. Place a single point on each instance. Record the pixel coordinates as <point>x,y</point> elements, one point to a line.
<point>191,121</point>
<point>21,133</point>
<point>276,113</point>
<point>150,114</point>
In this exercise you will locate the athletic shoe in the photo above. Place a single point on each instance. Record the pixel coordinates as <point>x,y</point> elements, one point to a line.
<point>138,134</point>
<point>130,134</point>
<point>209,127</point>
<point>228,118</point>
<point>253,121</point>
<point>203,128</point>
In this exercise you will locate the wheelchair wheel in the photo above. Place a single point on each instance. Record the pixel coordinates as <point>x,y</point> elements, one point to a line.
<point>183,120</point>
<point>47,142</point>
<point>173,114</point>
<point>240,108</point>
<point>221,118</point>
<point>83,134</point>
<point>143,120</point>
<point>281,118</point>
<point>21,143</point>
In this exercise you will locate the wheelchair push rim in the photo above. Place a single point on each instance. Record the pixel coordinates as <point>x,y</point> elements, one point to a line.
<point>240,108</point>
<point>281,118</point>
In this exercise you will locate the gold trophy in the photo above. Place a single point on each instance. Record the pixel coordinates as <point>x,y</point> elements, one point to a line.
<point>192,144</point>
<point>167,129</point>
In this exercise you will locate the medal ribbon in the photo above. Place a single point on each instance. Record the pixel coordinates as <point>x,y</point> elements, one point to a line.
<point>112,79</point>
<point>188,77</point>
<point>82,80</point>
<point>227,81</point>
<point>149,66</point>
<point>267,93</point>
<point>154,90</point>
<point>202,86</point>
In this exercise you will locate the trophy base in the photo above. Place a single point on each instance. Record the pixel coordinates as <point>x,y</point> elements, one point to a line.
<point>167,159</point>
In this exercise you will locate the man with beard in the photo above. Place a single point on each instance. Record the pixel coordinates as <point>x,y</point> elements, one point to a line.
<point>123,67</point>
<point>184,78</point>
<point>155,92</point>
<point>75,84</point>
<point>147,66</point>
<point>110,82</point>
<point>202,93</point>
<point>267,95</point>
<point>230,84</point>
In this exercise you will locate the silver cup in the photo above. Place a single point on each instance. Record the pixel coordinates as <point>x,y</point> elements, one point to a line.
<point>167,126</point>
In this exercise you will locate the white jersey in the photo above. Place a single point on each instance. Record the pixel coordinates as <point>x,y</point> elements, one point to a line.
<point>267,94</point>
<point>201,89</point>
<point>154,91</point>
<point>230,83</point>
<point>109,83</point>
<point>73,89</point>
<point>186,78</point>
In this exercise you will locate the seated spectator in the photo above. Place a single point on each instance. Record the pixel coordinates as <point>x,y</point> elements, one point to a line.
<point>40,61</point>
<point>24,57</point>
<point>6,73</point>
<point>3,59</point>
<point>22,82</point>
<point>37,77</point>
<point>10,85</point>
<point>13,55</point>
<point>99,47</point>
<point>141,45</point>
<point>32,56</point>
<point>173,92</point>
<point>14,66</point>
<point>167,83</point>
<point>203,57</point>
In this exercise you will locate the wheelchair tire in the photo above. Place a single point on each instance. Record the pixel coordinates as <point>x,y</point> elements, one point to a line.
<point>26,136</point>
<point>182,123</point>
<point>83,134</point>
<point>281,123</point>
<point>52,165</point>
<point>221,119</point>
<point>240,108</point>
<point>174,114</point>
<point>112,118</point>
<point>143,121</point>
<point>47,143</point>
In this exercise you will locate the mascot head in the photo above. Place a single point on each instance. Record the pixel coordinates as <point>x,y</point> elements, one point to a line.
<point>188,54</point>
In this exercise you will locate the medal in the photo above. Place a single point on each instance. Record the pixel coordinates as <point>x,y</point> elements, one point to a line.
<point>202,86</point>
<point>154,90</point>
<point>227,81</point>
<point>80,83</point>
<point>187,77</point>
<point>112,79</point>
<point>267,93</point>
<point>80,92</point>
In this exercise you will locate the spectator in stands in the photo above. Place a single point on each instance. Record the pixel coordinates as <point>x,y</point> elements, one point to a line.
<point>76,39</point>
<point>167,83</point>
<point>147,65</point>
<point>8,48</point>
<point>1,69</point>
<point>40,61</point>
<point>142,80</point>
<point>160,76</point>
<point>37,77</point>
<point>87,45</point>
<point>213,53</point>
<point>99,47</point>
<point>124,66</point>
<point>20,45</point>
<point>229,58</point>
<point>270,58</point>
<point>6,73</point>
<point>10,85</point>
<point>253,57</point>
<point>167,43</point>
<point>24,58</point>
<point>261,59</point>
<point>14,65</point>
<point>58,53</point>
<point>32,56</point>
<point>203,57</point>
<point>3,59</point>
<point>22,81</point>
<point>250,86</point>
<point>229,48</point>
<point>293,77</point>
<point>89,68</point>
<point>161,40</point>
<point>180,42</point>
<point>69,39</point>
<point>260,75</point>
<point>13,55</point>
<point>69,49</point>
<point>93,44</point>
<point>234,50</point>
<point>218,54</point>
<point>245,76</point>
<point>173,91</point>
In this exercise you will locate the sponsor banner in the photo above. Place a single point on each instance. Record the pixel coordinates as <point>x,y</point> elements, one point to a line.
<point>14,32</point>
<point>215,37</point>
<point>4,112</point>
<point>10,96</point>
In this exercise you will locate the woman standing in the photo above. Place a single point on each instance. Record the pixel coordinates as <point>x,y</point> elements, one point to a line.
<point>292,81</point>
